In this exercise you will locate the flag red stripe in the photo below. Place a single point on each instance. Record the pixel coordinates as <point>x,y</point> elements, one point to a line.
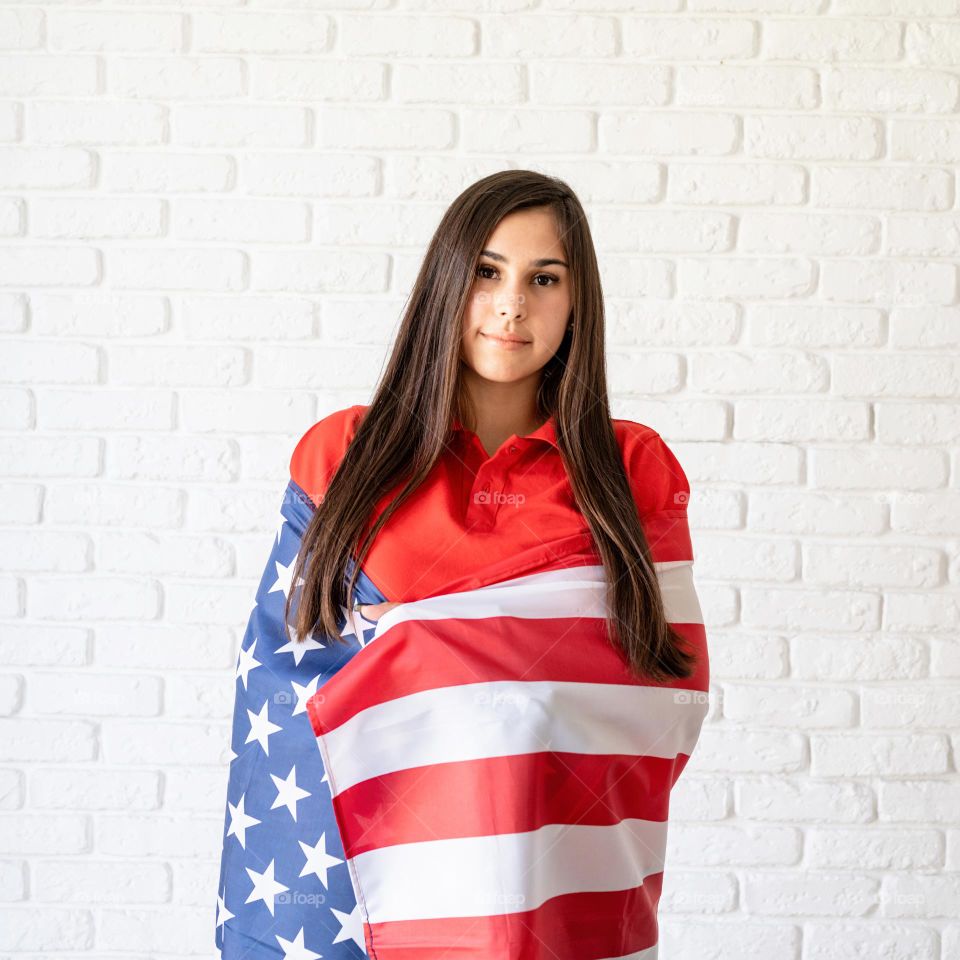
<point>601,924</point>
<point>572,788</point>
<point>668,535</point>
<point>425,654</point>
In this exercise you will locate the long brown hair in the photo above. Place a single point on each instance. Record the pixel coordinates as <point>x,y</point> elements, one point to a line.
<point>408,423</point>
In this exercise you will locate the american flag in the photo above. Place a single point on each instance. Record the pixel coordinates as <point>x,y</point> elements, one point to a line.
<point>285,890</point>
<point>500,780</point>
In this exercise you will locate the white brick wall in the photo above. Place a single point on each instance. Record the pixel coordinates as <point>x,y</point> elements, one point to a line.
<point>211,212</point>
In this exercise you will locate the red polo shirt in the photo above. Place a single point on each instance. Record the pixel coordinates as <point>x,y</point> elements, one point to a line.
<point>480,519</point>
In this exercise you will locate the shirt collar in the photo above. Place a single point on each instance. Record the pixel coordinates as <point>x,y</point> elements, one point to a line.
<point>546,431</point>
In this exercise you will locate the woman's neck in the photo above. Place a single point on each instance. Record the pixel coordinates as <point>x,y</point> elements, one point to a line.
<point>501,410</point>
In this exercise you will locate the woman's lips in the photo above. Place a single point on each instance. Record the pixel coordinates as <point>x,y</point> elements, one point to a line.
<point>506,344</point>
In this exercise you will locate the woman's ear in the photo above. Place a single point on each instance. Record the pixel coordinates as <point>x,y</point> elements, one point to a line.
<point>374,611</point>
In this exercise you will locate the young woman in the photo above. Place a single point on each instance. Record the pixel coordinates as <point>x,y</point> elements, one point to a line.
<point>476,664</point>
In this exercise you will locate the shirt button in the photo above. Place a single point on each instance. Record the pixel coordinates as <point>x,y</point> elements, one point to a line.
<point>513,449</point>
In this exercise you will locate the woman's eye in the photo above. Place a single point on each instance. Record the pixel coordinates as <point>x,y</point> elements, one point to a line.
<point>537,278</point>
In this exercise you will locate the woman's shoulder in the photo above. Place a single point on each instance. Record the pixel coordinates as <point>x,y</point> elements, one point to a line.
<point>630,432</point>
<point>320,449</point>
<point>657,479</point>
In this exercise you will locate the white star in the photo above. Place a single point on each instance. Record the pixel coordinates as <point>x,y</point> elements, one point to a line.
<point>295,950</point>
<point>318,860</point>
<point>223,914</point>
<point>281,520</point>
<point>247,662</point>
<point>288,793</point>
<point>261,727</point>
<point>304,694</point>
<point>351,926</point>
<point>264,887</point>
<point>298,649</point>
<point>239,822</point>
<point>284,577</point>
<point>354,624</point>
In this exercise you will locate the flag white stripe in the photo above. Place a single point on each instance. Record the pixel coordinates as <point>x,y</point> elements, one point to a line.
<point>507,872</point>
<point>508,717</point>
<point>572,592</point>
<point>649,954</point>
<point>680,601</point>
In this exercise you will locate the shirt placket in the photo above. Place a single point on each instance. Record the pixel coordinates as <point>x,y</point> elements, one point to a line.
<point>489,488</point>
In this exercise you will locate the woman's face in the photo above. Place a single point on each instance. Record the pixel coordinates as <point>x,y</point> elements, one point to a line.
<point>521,291</point>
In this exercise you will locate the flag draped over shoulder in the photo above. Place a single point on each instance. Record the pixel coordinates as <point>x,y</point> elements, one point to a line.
<point>477,775</point>
<point>284,890</point>
<point>500,781</point>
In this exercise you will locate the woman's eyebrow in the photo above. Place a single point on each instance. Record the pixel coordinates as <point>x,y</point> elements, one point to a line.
<point>544,262</point>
